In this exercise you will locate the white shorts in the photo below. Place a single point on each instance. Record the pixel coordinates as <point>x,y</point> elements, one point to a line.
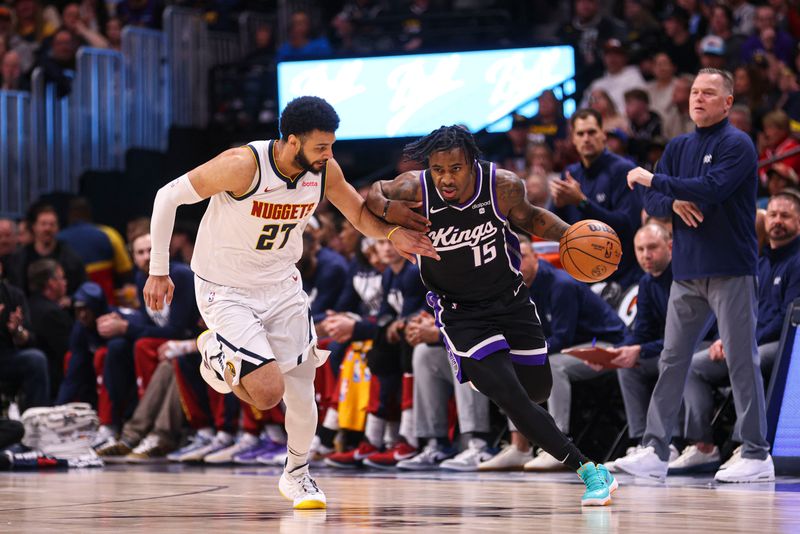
<point>258,325</point>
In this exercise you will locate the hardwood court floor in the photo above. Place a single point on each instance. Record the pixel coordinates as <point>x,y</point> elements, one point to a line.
<point>238,500</point>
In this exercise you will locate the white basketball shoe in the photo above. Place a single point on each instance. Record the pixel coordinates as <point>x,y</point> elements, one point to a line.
<point>212,366</point>
<point>298,487</point>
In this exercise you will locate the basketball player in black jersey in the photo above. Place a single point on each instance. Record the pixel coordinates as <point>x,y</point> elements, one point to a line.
<point>481,304</point>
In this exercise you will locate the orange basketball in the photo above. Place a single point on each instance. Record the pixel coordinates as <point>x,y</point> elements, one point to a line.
<point>590,251</point>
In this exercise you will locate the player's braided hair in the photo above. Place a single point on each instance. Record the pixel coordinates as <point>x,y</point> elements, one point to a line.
<point>443,139</point>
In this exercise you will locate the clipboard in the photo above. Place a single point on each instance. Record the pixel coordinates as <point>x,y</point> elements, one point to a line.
<point>594,355</point>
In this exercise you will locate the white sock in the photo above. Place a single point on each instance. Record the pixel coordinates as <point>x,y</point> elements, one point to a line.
<point>373,430</point>
<point>407,427</point>
<point>391,434</point>
<point>301,414</point>
<point>331,419</point>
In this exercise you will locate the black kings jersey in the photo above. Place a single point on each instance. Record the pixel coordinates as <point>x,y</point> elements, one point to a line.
<point>480,254</point>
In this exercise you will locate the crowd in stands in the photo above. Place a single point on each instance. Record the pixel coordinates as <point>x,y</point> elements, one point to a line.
<point>72,326</point>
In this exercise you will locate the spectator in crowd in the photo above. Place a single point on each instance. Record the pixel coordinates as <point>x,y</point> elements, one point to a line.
<point>697,21</point>
<point>572,315</point>
<point>744,16</point>
<point>645,123</point>
<point>390,364</point>
<point>11,77</point>
<point>643,29</point>
<point>594,188</point>
<point>107,262</point>
<point>660,89</point>
<point>780,177</point>
<point>8,241</point>
<point>154,429</point>
<point>549,124</point>
<point>113,33</point>
<point>123,333</point>
<point>324,274</point>
<point>302,42</point>
<point>59,63</point>
<point>434,384</point>
<point>741,118</point>
<point>612,118</point>
<point>587,31</point>
<point>511,151</point>
<point>779,286</point>
<point>712,52</point>
<point>24,366</point>
<point>51,324</point>
<point>721,25</point>
<point>767,39</point>
<point>680,45</point>
<point>355,31</point>
<point>540,174</point>
<point>31,25</point>
<point>677,120</point>
<point>181,244</point>
<point>619,77</point>
<point>43,223</point>
<point>776,141</point>
<point>750,88</point>
<point>71,21</point>
<point>637,356</point>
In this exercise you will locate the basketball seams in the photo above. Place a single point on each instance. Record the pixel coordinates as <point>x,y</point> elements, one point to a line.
<point>575,265</point>
<point>567,247</point>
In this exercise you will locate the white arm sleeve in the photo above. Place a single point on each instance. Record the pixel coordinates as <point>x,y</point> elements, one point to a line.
<point>178,191</point>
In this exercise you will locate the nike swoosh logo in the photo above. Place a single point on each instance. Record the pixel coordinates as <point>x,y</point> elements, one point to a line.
<point>434,210</point>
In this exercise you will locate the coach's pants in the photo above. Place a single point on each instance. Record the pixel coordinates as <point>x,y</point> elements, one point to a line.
<point>706,374</point>
<point>637,386</point>
<point>433,385</point>
<point>692,306</point>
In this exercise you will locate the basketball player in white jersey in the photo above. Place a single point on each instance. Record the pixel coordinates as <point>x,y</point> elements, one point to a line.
<point>262,344</point>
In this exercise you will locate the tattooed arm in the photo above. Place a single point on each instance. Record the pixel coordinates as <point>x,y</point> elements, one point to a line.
<point>515,206</point>
<point>395,200</point>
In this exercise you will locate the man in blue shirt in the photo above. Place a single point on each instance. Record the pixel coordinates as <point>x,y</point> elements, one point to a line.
<point>595,188</point>
<point>572,315</point>
<point>779,285</point>
<point>638,354</point>
<point>708,178</point>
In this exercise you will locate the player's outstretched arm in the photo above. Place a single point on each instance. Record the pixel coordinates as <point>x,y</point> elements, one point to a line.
<point>232,170</point>
<point>515,206</point>
<point>394,201</point>
<point>354,208</point>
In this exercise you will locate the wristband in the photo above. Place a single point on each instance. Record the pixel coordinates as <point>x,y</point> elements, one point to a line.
<point>393,230</point>
<point>386,209</point>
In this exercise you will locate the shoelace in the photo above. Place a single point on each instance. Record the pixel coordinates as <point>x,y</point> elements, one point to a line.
<point>592,479</point>
<point>307,484</point>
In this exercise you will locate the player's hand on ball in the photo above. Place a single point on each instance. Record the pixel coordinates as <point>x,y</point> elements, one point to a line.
<point>402,212</point>
<point>157,290</point>
<point>409,243</point>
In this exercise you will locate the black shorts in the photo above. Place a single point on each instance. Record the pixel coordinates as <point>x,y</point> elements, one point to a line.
<point>476,330</point>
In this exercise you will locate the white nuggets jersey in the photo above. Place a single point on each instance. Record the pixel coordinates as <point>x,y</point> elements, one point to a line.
<point>256,239</point>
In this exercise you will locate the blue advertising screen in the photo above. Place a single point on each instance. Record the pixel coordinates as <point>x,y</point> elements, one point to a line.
<point>787,432</point>
<point>409,96</point>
